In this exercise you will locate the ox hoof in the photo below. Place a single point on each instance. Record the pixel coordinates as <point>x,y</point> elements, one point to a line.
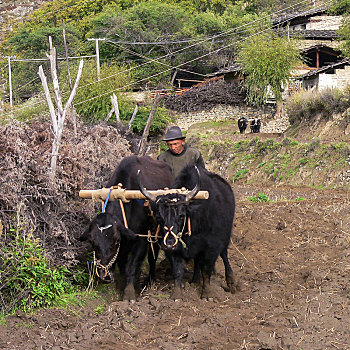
<point>177,294</point>
<point>231,285</point>
<point>207,294</point>
<point>129,293</point>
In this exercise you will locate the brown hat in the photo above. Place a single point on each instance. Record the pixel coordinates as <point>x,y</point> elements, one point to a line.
<point>173,133</point>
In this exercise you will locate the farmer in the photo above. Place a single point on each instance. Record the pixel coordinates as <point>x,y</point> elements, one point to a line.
<point>179,154</point>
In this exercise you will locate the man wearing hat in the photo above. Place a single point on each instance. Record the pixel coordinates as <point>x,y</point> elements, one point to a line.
<point>179,154</point>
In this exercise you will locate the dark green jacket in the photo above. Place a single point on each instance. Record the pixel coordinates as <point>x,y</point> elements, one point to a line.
<point>177,161</point>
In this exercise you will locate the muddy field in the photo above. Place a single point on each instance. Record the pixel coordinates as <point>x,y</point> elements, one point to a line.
<point>291,258</point>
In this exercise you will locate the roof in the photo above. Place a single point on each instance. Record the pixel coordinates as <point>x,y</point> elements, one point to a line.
<point>311,34</point>
<point>322,47</point>
<point>305,14</point>
<point>230,69</point>
<point>325,69</point>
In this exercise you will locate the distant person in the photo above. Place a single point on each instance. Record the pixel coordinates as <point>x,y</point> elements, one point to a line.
<point>179,154</point>
<point>255,125</point>
<point>242,124</point>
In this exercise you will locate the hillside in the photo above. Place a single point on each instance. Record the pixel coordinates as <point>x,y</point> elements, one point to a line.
<point>13,11</point>
<point>314,154</point>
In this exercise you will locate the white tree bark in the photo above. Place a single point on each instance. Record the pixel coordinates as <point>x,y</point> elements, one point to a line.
<point>132,117</point>
<point>48,99</point>
<point>57,117</point>
<point>116,109</point>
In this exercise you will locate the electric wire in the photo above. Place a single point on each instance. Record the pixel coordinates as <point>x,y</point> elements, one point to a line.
<point>174,67</point>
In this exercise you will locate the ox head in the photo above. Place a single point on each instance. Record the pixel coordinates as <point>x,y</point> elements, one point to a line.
<point>105,233</point>
<point>171,211</point>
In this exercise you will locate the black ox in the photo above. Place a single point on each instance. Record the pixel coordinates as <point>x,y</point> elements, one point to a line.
<point>205,236</point>
<point>112,241</point>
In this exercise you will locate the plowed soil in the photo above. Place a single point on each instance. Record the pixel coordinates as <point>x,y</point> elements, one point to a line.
<point>291,258</point>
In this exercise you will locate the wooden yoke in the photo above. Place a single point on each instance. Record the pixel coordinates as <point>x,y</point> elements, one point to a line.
<point>125,195</point>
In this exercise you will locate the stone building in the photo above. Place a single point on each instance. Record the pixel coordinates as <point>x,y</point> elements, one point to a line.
<point>317,39</point>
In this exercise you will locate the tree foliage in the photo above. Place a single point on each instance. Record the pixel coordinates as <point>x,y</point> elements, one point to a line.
<point>267,61</point>
<point>344,32</point>
<point>340,7</point>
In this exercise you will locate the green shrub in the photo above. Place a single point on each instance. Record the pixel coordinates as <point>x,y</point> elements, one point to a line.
<point>239,174</point>
<point>32,108</point>
<point>261,197</point>
<point>27,281</point>
<point>93,101</point>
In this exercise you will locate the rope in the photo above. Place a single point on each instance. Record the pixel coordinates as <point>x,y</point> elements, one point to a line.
<point>97,264</point>
<point>123,213</point>
<point>105,205</point>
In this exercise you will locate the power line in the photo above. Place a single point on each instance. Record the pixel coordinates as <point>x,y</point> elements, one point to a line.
<point>195,59</point>
<point>147,78</point>
<point>175,67</point>
<point>151,59</point>
<point>47,59</point>
<point>190,46</point>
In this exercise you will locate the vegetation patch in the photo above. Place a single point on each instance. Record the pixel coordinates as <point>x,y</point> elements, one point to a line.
<point>261,197</point>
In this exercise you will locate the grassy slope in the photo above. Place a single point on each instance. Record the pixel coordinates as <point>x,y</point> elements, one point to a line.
<point>271,158</point>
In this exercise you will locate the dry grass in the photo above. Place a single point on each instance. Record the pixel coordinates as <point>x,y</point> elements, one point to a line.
<point>52,210</point>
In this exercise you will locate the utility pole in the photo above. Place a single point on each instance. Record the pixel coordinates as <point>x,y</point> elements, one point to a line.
<point>10,78</point>
<point>97,54</point>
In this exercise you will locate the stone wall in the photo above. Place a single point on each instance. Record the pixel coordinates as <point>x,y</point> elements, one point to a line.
<point>340,80</point>
<point>268,122</point>
<point>342,76</point>
<point>324,23</point>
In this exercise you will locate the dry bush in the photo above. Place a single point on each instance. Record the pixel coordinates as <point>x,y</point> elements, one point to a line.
<point>207,96</point>
<point>305,105</point>
<point>53,211</point>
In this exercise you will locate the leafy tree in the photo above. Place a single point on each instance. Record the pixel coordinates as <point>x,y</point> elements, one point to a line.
<point>267,61</point>
<point>167,28</point>
<point>34,44</point>
<point>344,33</point>
<point>340,7</point>
<point>93,101</point>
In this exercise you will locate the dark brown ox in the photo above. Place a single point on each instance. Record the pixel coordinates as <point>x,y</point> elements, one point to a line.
<point>206,234</point>
<point>112,242</point>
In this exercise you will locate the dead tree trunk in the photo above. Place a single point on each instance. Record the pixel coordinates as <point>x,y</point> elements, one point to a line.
<point>142,148</point>
<point>132,118</point>
<point>72,110</point>
<point>57,116</point>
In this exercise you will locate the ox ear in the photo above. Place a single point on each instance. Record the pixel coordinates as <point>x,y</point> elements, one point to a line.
<point>124,232</point>
<point>129,234</point>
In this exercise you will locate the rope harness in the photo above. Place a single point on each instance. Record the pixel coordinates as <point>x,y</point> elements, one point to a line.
<point>169,231</point>
<point>177,237</point>
<point>173,205</point>
<point>97,265</point>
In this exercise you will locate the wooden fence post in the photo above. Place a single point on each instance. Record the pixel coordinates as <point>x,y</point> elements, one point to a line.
<point>142,147</point>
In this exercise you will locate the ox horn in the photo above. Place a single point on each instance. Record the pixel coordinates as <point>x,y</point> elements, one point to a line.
<point>195,190</point>
<point>148,195</point>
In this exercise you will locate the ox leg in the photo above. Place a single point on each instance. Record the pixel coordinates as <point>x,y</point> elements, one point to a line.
<point>177,266</point>
<point>207,269</point>
<point>133,269</point>
<point>196,272</point>
<point>232,286</point>
<point>152,259</point>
